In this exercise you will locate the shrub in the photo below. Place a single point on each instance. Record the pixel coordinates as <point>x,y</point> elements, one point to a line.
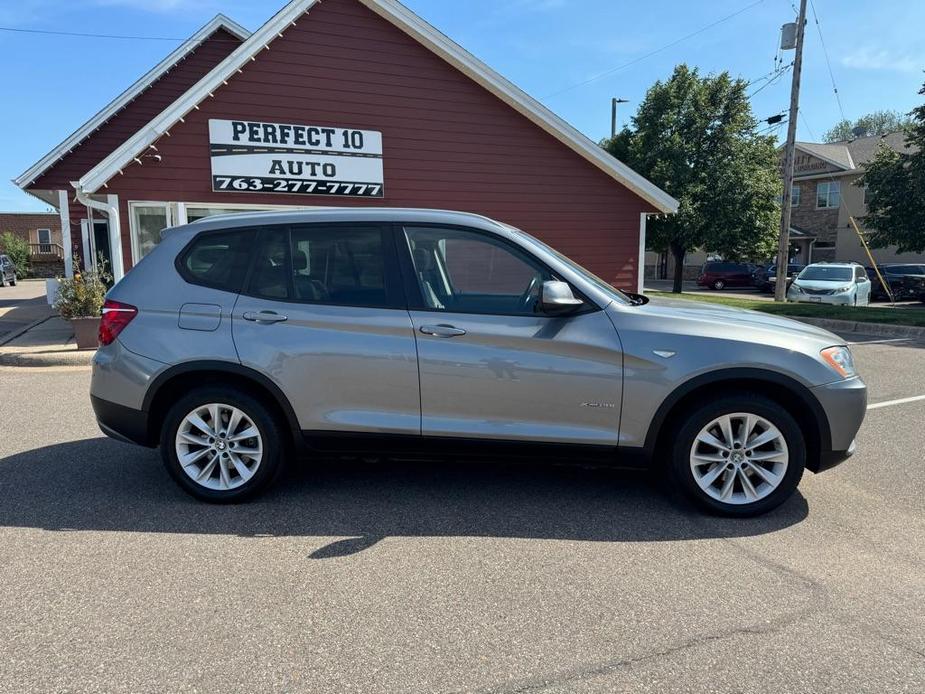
<point>82,296</point>
<point>18,250</point>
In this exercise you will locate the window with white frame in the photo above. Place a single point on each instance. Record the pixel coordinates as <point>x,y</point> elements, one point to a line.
<point>795,196</point>
<point>828,194</point>
<point>148,220</point>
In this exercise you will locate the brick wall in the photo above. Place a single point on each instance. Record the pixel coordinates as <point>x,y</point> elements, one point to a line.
<point>25,226</point>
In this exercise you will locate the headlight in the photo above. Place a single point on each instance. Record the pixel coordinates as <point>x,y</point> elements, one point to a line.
<point>841,290</point>
<point>840,360</point>
<point>797,288</point>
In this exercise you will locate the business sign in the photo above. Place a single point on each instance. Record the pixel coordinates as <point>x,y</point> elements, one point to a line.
<point>295,159</point>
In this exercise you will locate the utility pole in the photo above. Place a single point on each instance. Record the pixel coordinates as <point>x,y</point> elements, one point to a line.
<point>613,115</point>
<point>783,246</point>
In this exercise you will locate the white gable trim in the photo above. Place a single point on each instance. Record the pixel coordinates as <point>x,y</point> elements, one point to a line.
<point>427,35</point>
<point>40,167</point>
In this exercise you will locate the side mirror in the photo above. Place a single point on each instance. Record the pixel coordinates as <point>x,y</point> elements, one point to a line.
<point>558,298</point>
<point>637,299</point>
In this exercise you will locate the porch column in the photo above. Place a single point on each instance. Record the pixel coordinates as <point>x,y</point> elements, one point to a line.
<point>64,211</point>
<point>641,267</point>
<point>115,237</point>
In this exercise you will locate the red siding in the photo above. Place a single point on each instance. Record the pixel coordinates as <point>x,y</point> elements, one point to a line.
<point>448,143</point>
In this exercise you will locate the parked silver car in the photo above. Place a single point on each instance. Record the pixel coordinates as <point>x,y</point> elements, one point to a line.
<point>844,284</point>
<point>241,341</point>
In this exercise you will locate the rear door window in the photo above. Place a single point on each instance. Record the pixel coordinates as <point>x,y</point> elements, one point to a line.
<point>218,259</point>
<point>327,264</point>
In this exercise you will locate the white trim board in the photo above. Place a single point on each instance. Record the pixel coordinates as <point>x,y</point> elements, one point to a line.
<point>422,32</point>
<point>220,21</point>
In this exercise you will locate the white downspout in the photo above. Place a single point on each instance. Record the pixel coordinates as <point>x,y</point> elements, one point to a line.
<point>111,208</point>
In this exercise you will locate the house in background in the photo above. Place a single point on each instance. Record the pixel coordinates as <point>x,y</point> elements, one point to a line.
<point>42,231</point>
<point>826,197</point>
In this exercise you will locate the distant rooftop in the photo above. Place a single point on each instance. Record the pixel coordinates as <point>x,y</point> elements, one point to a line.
<point>853,154</point>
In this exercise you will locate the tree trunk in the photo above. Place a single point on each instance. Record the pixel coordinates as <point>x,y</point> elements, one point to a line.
<point>678,253</point>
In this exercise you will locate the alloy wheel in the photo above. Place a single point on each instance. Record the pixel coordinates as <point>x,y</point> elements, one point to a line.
<point>739,458</point>
<point>219,447</point>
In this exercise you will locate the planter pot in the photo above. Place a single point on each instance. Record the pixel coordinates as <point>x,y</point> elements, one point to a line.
<point>86,331</point>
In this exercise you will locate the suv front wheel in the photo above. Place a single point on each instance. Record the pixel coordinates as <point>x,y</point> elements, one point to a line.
<point>739,456</point>
<point>221,444</point>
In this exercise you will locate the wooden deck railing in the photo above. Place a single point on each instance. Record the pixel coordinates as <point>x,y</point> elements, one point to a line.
<point>46,249</point>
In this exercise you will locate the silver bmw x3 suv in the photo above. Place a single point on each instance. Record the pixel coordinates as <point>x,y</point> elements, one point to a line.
<point>242,341</point>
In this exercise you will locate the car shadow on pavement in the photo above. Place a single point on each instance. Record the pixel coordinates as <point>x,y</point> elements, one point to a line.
<point>101,485</point>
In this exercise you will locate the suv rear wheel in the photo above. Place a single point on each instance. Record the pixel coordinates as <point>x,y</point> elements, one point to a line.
<point>221,444</point>
<point>719,284</point>
<point>739,456</point>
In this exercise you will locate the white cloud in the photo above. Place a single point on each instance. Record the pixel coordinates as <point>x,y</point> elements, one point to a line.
<point>870,58</point>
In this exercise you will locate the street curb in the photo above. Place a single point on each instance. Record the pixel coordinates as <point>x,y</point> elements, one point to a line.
<point>22,331</point>
<point>879,329</point>
<point>70,357</point>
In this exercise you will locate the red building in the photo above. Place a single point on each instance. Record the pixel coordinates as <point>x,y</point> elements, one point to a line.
<point>336,103</point>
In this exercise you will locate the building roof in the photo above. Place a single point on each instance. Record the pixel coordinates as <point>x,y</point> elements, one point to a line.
<point>864,149</point>
<point>851,155</point>
<point>401,17</point>
<point>835,153</point>
<point>220,21</point>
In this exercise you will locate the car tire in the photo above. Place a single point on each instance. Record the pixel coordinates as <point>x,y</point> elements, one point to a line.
<point>13,281</point>
<point>241,467</point>
<point>771,471</point>
<point>719,284</point>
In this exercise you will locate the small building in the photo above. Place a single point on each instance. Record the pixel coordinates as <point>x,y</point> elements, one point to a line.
<point>338,103</point>
<point>42,231</point>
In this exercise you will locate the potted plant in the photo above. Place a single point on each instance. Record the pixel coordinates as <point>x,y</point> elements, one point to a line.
<point>80,300</point>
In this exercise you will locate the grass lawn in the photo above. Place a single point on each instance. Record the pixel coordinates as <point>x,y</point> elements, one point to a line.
<point>866,314</point>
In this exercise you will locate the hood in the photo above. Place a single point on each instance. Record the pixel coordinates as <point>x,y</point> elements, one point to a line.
<point>823,284</point>
<point>713,319</point>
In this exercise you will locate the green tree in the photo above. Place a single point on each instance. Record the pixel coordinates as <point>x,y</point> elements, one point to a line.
<point>18,250</point>
<point>696,138</point>
<point>876,123</point>
<point>896,191</point>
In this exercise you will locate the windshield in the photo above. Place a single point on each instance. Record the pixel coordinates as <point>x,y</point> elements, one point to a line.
<point>608,289</point>
<point>823,273</point>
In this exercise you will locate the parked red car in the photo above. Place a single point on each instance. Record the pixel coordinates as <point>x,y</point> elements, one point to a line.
<point>720,275</point>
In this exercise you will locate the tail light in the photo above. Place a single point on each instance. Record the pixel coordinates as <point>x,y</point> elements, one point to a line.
<point>116,316</point>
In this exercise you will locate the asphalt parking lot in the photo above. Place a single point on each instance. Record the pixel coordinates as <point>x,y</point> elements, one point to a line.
<point>453,577</point>
<point>22,305</point>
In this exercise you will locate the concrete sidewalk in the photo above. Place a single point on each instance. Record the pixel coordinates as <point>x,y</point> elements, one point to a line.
<point>48,342</point>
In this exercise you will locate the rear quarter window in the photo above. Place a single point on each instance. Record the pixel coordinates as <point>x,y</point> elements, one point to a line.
<point>218,259</point>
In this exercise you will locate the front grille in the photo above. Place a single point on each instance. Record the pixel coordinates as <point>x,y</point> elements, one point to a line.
<point>819,292</point>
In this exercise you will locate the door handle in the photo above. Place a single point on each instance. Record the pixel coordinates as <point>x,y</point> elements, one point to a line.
<point>265,317</point>
<point>442,330</point>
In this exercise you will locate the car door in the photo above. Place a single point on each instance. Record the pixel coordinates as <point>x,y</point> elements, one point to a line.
<point>863,286</point>
<point>323,315</point>
<point>491,365</point>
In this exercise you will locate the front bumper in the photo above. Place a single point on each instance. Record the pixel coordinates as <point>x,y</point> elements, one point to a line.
<point>846,299</point>
<point>845,406</point>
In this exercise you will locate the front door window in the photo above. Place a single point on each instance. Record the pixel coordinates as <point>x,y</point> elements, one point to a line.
<point>467,272</point>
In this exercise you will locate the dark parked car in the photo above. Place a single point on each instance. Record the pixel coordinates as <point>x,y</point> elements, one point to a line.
<point>7,271</point>
<point>765,277</point>
<point>722,274</point>
<point>906,281</point>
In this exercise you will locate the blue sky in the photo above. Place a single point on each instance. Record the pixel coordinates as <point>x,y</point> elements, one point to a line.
<point>51,85</point>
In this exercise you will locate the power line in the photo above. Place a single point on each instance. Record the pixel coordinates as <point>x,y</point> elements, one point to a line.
<point>89,36</point>
<point>606,73</point>
<point>825,52</point>
<point>773,80</point>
